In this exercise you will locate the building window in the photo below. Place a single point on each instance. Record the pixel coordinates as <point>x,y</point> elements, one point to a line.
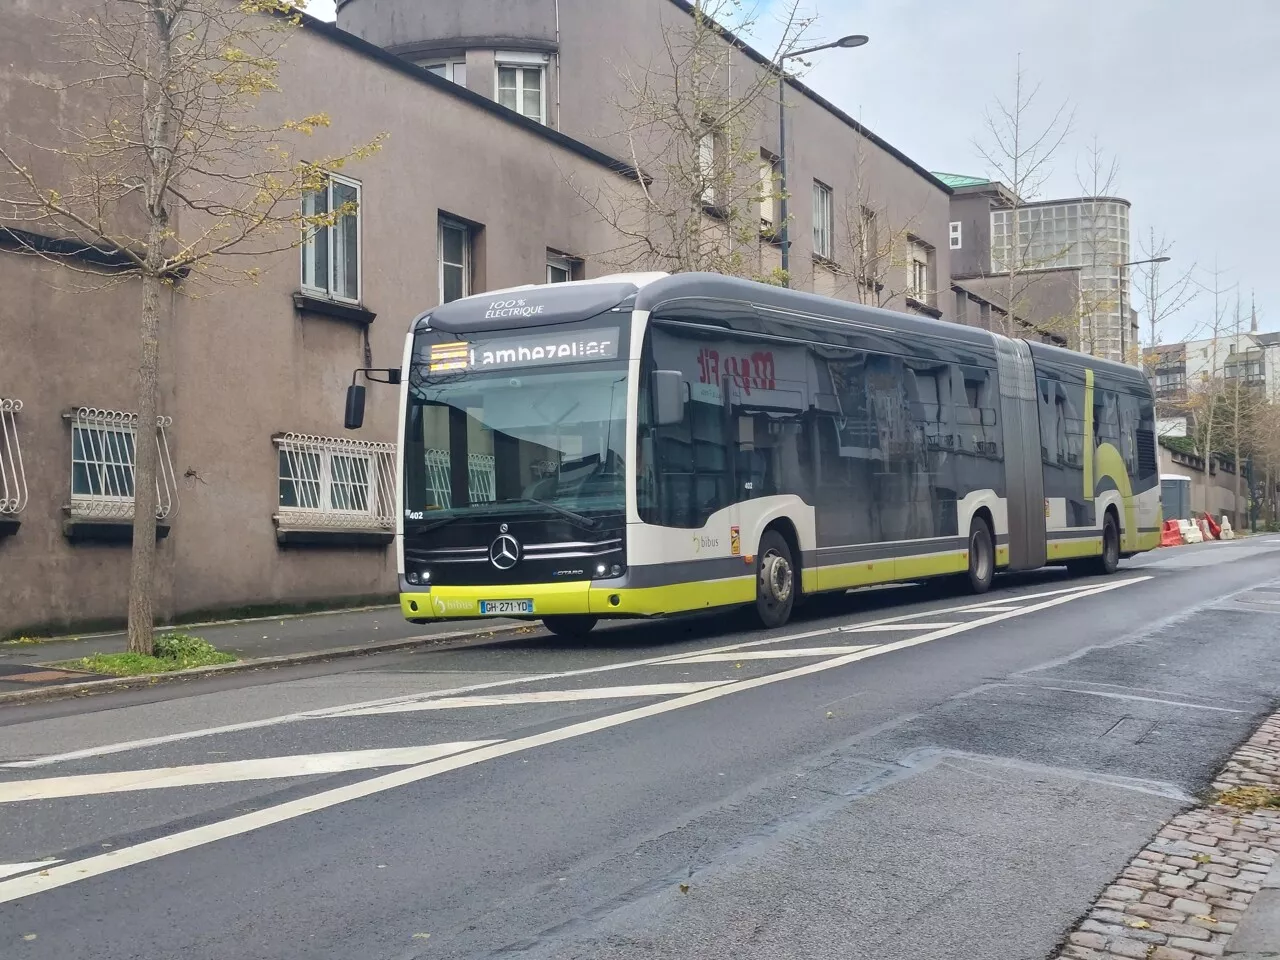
<point>455,70</point>
<point>328,482</point>
<point>919,286</point>
<point>454,244</point>
<point>770,178</point>
<point>956,236</point>
<point>824,225</point>
<point>331,248</point>
<point>710,152</point>
<point>522,84</point>
<point>102,465</point>
<point>13,477</point>
<point>559,268</point>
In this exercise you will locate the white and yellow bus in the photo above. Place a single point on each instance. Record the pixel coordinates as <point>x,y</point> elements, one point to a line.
<point>654,444</point>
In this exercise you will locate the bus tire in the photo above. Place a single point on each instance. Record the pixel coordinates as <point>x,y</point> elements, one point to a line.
<point>1108,563</point>
<point>775,580</point>
<point>570,627</point>
<point>982,556</point>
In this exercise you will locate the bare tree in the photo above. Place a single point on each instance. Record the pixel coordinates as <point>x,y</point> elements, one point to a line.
<point>177,171</point>
<point>1019,148</point>
<point>874,240</point>
<point>1164,297</point>
<point>693,123</point>
<point>1095,250</point>
<point>1203,397</point>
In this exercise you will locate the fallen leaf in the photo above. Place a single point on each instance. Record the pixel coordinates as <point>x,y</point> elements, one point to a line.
<point>737,666</point>
<point>422,936</point>
<point>684,888</point>
<point>28,937</point>
<point>830,715</point>
<point>1202,858</point>
<point>44,873</point>
<point>1207,919</point>
<point>1137,924</point>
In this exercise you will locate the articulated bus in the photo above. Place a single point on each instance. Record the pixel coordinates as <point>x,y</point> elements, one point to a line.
<point>653,444</point>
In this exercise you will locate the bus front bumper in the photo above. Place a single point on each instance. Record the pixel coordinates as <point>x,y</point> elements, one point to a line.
<point>595,598</point>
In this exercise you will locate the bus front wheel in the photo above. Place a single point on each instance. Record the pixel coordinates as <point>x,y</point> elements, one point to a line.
<point>982,556</point>
<point>775,580</point>
<point>571,628</point>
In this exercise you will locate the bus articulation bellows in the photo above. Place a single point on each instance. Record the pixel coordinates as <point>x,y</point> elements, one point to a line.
<point>653,444</point>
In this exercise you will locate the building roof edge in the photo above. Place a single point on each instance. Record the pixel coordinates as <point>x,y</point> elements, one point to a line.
<point>754,54</point>
<point>373,52</point>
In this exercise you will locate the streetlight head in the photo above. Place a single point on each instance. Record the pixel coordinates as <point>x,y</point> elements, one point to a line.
<point>1161,259</point>
<point>853,40</point>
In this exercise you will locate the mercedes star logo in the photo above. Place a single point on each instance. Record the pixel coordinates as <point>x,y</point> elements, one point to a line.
<point>504,553</point>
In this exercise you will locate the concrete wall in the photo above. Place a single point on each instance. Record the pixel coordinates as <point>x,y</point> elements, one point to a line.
<point>1213,494</point>
<point>240,364</point>
<point>973,212</point>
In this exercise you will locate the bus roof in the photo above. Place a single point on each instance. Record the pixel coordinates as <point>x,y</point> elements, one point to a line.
<point>533,305</point>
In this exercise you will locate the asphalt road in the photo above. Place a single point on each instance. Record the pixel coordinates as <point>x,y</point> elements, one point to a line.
<point>915,774</point>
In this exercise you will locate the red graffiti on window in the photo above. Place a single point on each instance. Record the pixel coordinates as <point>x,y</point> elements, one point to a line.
<point>756,371</point>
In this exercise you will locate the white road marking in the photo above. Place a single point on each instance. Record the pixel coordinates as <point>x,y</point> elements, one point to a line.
<point>9,869</point>
<point>890,627</point>
<point>1133,696</point>
<point>796,652</point>
<point>995,608</point>
<point>330,712</point>
<point>540,696</point>
<point>68,873</point>
<point>235,771</point>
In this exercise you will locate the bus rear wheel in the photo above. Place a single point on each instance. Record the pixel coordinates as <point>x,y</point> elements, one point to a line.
<point>570,627</point>
<point>775,580</point>
<point>982,556</point>
<point>1109,562</point>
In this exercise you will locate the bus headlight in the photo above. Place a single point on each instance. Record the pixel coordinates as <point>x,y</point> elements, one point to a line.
<point>603,570</point>
<point>415,577</point>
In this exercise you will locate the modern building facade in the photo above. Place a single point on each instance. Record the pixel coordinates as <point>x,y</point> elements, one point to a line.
<point>496,134</point>
<point>1056,251</point>
<point>1251,358</point>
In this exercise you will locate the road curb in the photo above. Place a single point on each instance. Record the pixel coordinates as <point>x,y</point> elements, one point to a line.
<point>89,687</point>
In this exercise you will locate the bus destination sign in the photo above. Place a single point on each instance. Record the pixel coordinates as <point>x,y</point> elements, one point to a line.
<point>526,351</point>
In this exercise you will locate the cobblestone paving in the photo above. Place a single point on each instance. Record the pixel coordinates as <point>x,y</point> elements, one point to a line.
<point>1182,897</point>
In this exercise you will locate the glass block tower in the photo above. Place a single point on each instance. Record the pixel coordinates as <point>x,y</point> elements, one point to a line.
<point>1089,234</point>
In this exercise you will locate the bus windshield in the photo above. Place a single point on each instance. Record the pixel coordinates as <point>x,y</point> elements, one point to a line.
<point>531,437</point>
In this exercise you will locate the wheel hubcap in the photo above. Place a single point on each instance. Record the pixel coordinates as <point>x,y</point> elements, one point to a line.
<point>775,578</point>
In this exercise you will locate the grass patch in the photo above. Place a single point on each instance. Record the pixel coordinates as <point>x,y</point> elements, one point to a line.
<point>173,651</point>
<point>1250,798</point>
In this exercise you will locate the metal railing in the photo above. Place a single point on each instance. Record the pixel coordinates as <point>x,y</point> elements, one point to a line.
<point>13,478</point>
<point>102,465</point>
<point>336,482</point>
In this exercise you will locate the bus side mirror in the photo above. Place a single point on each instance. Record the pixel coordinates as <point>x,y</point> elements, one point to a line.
<point>668,397</point>
<point>354,418</point>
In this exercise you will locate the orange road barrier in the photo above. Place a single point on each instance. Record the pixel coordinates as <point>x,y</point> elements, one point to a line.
<point>1171,536</point>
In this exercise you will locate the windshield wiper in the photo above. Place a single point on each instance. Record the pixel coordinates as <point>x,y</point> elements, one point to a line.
<point>426,526</point>
<point>587,522</point>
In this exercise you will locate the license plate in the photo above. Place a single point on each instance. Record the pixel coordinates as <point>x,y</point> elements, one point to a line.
<point>505,607</point>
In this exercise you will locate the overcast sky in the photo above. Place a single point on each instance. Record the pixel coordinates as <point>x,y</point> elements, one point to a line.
<point>1181,92</point>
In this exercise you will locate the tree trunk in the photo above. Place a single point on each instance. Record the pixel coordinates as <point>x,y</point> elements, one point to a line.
<point>146,455</point>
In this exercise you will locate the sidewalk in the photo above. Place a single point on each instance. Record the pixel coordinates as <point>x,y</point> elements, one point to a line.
<point>1208,885</point>
<point>311,636</point>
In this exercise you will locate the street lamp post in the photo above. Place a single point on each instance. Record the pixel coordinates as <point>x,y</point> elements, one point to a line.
<point>854,40</point>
